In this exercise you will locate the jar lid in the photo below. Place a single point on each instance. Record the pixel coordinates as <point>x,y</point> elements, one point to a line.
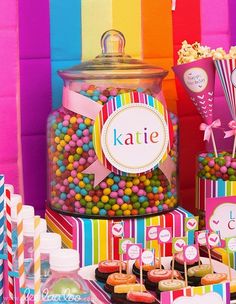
<point>113,63</point>
<point>64,260</point>
<point>27,212</point>
<point>28,227</point>
<point>49,242</point>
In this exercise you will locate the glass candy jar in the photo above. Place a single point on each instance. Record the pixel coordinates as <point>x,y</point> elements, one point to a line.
<point>112,146</point>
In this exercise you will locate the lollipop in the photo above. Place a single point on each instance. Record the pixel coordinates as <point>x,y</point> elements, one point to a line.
<point>196,71</point>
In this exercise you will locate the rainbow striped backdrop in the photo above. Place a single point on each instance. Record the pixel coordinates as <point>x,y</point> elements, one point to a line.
<point>93,238</point>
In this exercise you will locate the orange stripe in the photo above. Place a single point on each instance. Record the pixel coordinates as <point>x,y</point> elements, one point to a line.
<point>158,43</point>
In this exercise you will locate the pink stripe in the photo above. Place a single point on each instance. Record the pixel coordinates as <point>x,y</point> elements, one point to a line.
<point>166,297</point>
<point>127,227</point>
<point>141,96</point>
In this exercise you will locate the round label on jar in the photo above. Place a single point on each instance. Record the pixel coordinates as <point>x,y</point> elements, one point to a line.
<point>131,134</point>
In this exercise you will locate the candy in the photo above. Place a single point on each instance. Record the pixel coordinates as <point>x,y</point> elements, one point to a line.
<point>215,168</point>
<point>199,271</point>
<point>110,266</point>
<point>140,297</point>
<point>70,152</point>
<point>157,275</point>
<point>213,278</point>
<point>125,288</point>
<point>168,285</point>
<point>120,278</point>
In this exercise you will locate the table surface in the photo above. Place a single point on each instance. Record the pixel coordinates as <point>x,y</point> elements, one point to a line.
<point>88,272</point>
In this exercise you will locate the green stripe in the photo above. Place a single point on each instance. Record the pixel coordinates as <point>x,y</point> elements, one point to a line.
<point>95,241</point>
<point>207,288</point>
<point>228,188</point>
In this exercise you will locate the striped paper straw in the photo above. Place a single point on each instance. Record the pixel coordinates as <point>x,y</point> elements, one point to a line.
<point>9,247</point>
<point>20,252</point>
<point>2,219</point>
<point>37,270</point>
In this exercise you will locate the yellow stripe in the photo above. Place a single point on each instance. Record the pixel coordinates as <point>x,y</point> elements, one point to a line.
<point>96,19</point>
<point>233,188</point>
<point>103,225</point>
<point>126,17</point>
<point>155,221</point>
<point>198,290</point>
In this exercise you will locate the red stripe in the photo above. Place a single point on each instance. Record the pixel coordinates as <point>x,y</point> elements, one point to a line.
<point>136,96</point>
<point>177,294</point>
<point>169,223</point>
<point>60,222</point>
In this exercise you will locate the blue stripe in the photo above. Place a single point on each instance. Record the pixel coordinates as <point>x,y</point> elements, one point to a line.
<point>118,101</point>
<point>65,29</point>
<point>140,230</point>
<point>218,288</point>
<point>221,188</point>
<point>150,100</point>
<point>88,242</point>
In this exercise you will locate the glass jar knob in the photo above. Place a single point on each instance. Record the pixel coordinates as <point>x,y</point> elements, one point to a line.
<point>113,43</point>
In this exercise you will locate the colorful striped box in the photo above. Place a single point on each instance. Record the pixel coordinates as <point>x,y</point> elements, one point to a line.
<point>206,188</point>
<point>219,293</point>
<point>93,238</point>
<point>215,189</point>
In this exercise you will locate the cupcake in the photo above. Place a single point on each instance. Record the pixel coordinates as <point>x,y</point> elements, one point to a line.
<point>179,262</point>
<point>105,268</point>
<point>156,275</point>
<point>117,278</point>
<point>196,273</point>
<point>146,268</point>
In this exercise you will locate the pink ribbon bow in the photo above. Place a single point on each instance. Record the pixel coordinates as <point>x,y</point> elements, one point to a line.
<point>232,132</point>
<point>208,128</point>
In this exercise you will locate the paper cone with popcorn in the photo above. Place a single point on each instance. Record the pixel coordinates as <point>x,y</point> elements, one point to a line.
<point>198,79</point>
<point>226,69</point>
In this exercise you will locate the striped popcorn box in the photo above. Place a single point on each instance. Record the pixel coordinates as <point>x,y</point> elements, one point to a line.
<point>2,220</point>
<point>85,234</point>
<point>37,268</point>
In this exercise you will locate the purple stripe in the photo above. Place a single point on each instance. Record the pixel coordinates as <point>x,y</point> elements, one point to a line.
<point>227,293</point>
